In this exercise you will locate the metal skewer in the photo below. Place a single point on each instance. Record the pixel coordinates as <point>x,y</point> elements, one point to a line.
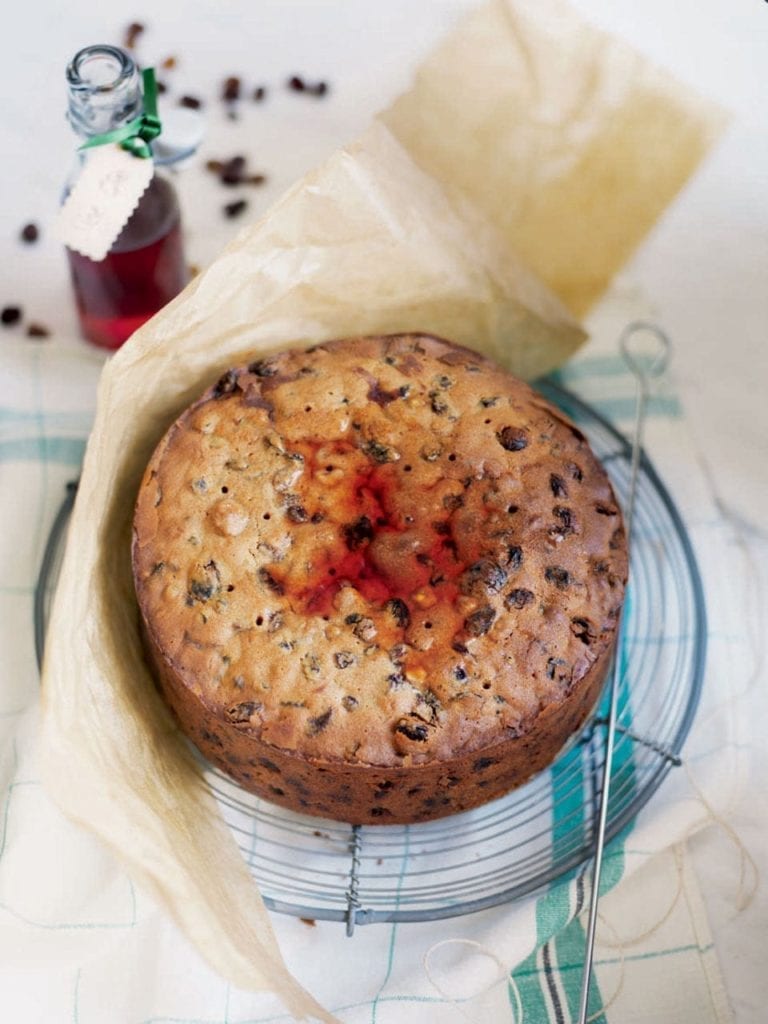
<point>644,370</point>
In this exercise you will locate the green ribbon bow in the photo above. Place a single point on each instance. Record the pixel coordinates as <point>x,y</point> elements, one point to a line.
<point>136,135</point>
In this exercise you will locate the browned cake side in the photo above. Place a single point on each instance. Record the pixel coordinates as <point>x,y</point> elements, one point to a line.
<point>379,579</point>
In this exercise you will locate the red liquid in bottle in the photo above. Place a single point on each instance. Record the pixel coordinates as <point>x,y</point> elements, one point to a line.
<point>143,271</point>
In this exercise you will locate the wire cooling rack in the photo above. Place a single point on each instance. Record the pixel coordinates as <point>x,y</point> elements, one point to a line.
<point>514,846</point>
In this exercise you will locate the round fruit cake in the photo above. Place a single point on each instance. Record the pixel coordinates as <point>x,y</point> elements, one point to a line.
<point>379,578</point>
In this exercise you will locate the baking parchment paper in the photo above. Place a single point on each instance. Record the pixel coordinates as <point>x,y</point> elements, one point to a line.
<point>369,242</point>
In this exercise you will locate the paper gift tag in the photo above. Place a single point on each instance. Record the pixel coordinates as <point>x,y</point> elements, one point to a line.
<point>104,196</point>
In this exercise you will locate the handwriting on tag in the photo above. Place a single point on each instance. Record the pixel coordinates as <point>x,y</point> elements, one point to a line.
<point>106,193</point>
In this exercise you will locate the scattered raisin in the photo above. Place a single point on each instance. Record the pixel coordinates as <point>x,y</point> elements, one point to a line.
<point>583,630</point>
<point>30,233</point>
<point>169,63</point>
<point>417,732</point>
<point>232,171</point>
<point>190,102</point>
<point>518,598</point>
<point>201,591</point>
<point>553,664</point>
<point>297,84</point>
<point>131,34</point>
<point>565,526</point>
<point>270,582</point>
<point>481,577</point>
<point>205,588</point>
<point>230,90</point>
<point>397,653</point>
<point>381,396</point>
<point>378,452</point>
<point>430,698</point>
<point>10,315</point>
<point>316,725</point>
<point>297,514</point>
<point>259,93</point>
<point>344,659</point>
<point>482,763</point>
<point>235,209</point>
<point>513,439</point>
<point>242,713</point>
<point>349,702</point>
<point>364,629</point>
<point>262,368</point>
<point>479,622</point>
<point>557,484</point>
<point>514,557</point>
<point>437,404</point>
<point>225,384</point>
<point>399,611</point>
<point>557,575</point>
<point>453,501</point>
<point>276,620</point>
<point>355,534</point>
<point>35,330</point>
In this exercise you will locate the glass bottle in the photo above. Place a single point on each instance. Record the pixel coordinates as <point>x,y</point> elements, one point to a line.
<point>145,268</point>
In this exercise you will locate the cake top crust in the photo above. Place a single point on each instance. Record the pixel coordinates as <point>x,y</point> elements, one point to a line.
<point>380,550</point>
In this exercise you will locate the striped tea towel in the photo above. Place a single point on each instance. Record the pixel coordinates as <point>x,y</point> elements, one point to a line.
<point>78,943</point>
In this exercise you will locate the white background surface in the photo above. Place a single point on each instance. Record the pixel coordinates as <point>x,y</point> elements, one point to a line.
<point>704,266</point>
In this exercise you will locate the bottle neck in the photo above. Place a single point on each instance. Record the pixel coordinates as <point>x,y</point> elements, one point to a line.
<point>104,90</point>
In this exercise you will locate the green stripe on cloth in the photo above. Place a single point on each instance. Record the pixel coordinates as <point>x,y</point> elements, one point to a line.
<point>613,409</point>
<point>68,451</point>
<point>543,985</point>
<point>586,377</point>
<point>538,988</point>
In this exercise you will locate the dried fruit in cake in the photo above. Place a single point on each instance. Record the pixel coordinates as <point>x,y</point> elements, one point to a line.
<point>379,578</point>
